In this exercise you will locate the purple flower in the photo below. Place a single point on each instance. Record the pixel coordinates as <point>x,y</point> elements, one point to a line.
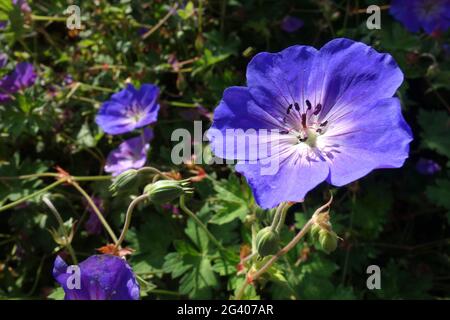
<point>3,24</point>
<point>23,4</point>
<point>68,80</point>
<point>93,224</point>
<point>427,167</point>
<point>102,277</point>
<point>129,109</point>
<point>291,24</point>
<point>3,60</point>
<point>131,154</point>
<point>330,114</point>
<point>431,15</point>
<point>22,77</point>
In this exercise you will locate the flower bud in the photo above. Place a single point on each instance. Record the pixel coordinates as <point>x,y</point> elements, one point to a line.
<point>164,191</point>
<point>267,241</point>
<point>328,240</point>
<point>122,180</point>
<point>315,229</point>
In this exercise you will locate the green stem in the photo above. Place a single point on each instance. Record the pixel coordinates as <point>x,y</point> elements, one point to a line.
<point>200,224</point>
<point>252,277</point>
<point>284,211</point>
<point>172,10</point>
<point>48,18</point>
<point>96,210</point>
<point>274,258</point>
<point>94,87</point>
<point>31,176</point>
<point>33,195</point>
<point>55,212</point>
<point>128,218</point>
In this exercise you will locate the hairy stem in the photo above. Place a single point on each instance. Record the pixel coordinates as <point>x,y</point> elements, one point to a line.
<point>200,224</point>
<point>33,195</point>
<point>128,215</point>
<point>96,210</point>
<point>55,212</point>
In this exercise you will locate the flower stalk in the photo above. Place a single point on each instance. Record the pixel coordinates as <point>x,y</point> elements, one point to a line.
<point>250,277</point>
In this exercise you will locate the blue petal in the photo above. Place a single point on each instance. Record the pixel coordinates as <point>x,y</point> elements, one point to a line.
<point>349,75</point>
<point>372,137</point>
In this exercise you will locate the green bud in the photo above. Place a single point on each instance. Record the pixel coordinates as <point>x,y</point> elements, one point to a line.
<point>315,229</point>
<point>328,240</point>
<point>164,191</point>
<point>267,241</point>
<point>122,180</point>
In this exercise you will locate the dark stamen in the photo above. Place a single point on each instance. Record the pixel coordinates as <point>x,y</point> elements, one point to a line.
<point>304,120</point>
<point>297,107</point>
<point>317,110</point>
<point>308,103</point>
<point>303,139</point>
<point>289,109</point>
<point>323,124</point>
<point>284,132</point>
<point>319,130</point>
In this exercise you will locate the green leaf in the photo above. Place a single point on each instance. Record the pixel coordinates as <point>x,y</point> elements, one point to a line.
<point>439,194</point>
<point>57,294</point>
<point>187,12</point>
<point>231,201</point>
<point>85,137</point>
<point>435,131</point>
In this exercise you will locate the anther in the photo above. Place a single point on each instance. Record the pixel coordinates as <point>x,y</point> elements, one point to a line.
<point>289,109</point>
<point>319,130</point>
<point>317,110</point>
<point>284,132</point>
<point>308,103</point>
<point>323,124</point>
<point>297,107</point>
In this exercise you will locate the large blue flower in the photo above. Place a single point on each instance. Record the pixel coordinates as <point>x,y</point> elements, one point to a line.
<point>102,277</point>
<point>129,109</point>
<point>431,15</point>
<point>330,113</point>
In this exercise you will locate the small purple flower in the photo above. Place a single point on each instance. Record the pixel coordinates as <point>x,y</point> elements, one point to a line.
<point>93,224</point>
<point>3,60</point>
<point>291,24</point>
<point>131,154</point>
<point>129,109</point>
<point>68,80</point>
<point>23,4</point>
<point>427,167</point>
<point>330,114</point>
<point>102,277</point>
<point>3,24</point>
<point>141,31</point>
<point>22,77</point>
<point>431,15</point>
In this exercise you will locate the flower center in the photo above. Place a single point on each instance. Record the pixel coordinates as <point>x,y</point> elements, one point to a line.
<point>304,122</point>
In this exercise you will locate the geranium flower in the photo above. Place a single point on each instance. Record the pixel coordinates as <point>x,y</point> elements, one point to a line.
<point>330,113</point>
<point>129,109</point>
<point>102,277</point>
<point>131,154</point>
<point>23,4</point>
<point>431,15</point>
<point>291,24</point>
<point>22,77</point>
<point>427,167</point>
